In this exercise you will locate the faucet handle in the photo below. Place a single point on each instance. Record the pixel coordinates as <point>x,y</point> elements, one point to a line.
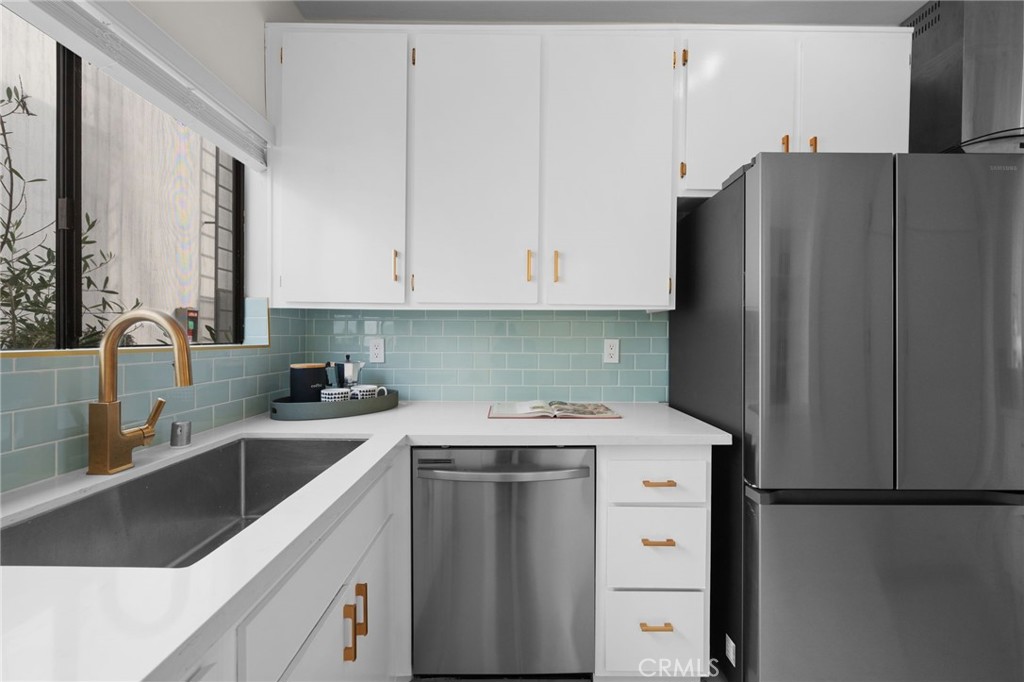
<point>149,428</point>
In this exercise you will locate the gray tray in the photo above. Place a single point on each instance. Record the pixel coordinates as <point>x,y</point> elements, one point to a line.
<point>285,410</point>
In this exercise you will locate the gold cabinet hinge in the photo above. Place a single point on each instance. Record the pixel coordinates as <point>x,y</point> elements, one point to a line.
<point>282,55</point>
<point>414,56</point>
<point>686,57</point>
<point>682,169</point>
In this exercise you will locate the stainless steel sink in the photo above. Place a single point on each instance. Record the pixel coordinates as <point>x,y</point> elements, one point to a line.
<point>176,515</point>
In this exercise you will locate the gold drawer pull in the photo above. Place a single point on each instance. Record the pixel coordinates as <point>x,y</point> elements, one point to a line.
<point>348,612</point>
<point>363,592</point>
<point>668,542</point>
<point>529,265</point>
<point>394,265</point>
<point>667,627</point>
<point>660,484</point>
<point>556,266</point>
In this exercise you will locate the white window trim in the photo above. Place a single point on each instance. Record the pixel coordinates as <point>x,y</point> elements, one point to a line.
<point>125,44</point>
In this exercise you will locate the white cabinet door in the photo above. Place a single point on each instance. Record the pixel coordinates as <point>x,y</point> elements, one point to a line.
<point>740,101</point>
<point>608,200</point>
<point>352,640</point>
<point>854,92</point>
<point>265,647</point>
<point>474,167</point>
<point>339,168</point>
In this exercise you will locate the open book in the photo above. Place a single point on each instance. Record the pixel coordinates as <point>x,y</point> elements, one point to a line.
<point>532,409</point>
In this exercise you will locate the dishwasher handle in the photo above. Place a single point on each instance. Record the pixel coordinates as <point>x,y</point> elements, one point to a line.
<point>511,476</point>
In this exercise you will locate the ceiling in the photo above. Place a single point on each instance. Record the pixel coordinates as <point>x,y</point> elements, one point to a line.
<point>824,12</point>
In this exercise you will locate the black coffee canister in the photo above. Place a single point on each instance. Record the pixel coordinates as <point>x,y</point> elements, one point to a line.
<point>307,380</point>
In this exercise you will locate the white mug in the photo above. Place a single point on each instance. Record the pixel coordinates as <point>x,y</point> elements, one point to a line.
<point>334,395</point>
<point>362,391</point>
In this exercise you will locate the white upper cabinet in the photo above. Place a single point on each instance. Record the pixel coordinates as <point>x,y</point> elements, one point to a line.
<point>339,168</point>
<point>766,90</point>
<point>740,95</point>
<point>539,167</point>
<point>854,93</point>
<point>474,168</point>
<point>608,200</point>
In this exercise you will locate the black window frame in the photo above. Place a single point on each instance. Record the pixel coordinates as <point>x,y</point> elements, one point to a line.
<point>68,226</point>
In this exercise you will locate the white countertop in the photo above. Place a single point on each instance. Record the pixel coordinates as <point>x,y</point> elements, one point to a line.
<point>134,623</point>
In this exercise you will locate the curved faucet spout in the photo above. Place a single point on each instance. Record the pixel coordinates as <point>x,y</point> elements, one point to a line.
<point>117,329</point>
<point>110,446</point>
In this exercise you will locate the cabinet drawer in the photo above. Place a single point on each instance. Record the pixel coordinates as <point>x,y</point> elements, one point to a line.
<point>677,653</point>
<point>655,481</point>
<point>656,547</point>
<point>272,636</point>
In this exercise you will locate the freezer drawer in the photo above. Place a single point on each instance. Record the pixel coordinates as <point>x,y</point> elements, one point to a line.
<point>866,593</point>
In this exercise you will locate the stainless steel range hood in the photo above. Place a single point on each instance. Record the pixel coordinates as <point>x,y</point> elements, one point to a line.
<point>967,79</point>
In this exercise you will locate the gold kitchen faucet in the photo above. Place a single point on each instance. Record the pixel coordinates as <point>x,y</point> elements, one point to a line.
<point>110,446</point>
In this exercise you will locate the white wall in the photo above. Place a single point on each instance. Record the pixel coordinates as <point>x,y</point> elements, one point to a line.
<point>226,36</point>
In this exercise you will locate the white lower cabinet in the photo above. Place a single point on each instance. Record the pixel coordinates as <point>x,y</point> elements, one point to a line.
<point>351,641</point>
<point>657,547</point>
<point>653,561</point>
<point>218,663</point>
<point>655,631</point>
<point>335,616</point>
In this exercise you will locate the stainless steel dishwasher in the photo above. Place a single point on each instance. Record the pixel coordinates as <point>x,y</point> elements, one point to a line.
<point>503,561</point>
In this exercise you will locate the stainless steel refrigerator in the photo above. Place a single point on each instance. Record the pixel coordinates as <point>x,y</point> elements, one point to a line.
<point>855,320</point>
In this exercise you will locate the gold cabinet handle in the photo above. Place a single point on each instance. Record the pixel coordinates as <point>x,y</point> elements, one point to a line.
<point>348,612</point>
<point>667,542</point>
<point>665,627</point>
<point>660,484</point>
<point>394,265</point>
<point>785,143</point>
<point>556,265</point>
<point>814,144</point>
<point>529,265</point>
<point>362,592</point>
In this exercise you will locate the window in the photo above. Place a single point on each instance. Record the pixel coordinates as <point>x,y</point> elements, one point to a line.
<point>28,199</point>
<point>108,204</point>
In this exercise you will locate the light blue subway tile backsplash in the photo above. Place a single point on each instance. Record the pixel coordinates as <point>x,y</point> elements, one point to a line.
<point>21,390</point>
<point>27,465</point>
<point>501,355</point>
<point>44,398</point>
<point>430,355</point>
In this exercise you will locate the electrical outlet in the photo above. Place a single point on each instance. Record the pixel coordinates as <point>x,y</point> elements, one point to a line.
<point>611,351</point>
<point>377,349</point>
<point>730,650</point>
